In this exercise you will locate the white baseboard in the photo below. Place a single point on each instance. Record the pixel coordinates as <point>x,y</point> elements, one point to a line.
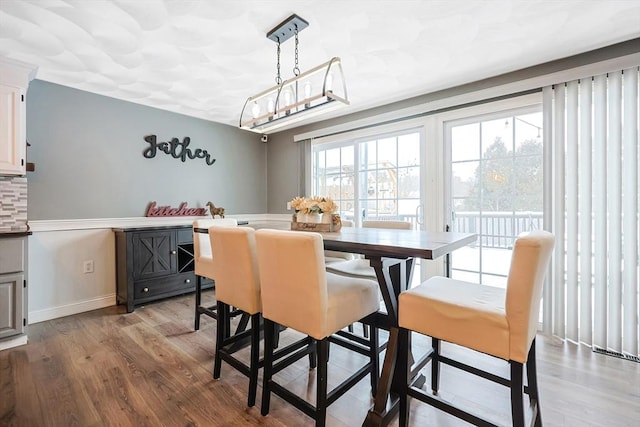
<point>13,342</point>
<point>69,309</point>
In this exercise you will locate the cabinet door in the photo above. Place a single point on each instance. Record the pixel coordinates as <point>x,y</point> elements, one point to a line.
<point>11,304</point>
<point>13,142</point>
<point>154,254</point>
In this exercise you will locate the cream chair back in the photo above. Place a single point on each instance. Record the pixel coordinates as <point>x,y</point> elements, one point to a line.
<point>293,279</point>
<point>235,267</point>
<point>400,225</point>
<point>529,262</point>
<point>202,254</point>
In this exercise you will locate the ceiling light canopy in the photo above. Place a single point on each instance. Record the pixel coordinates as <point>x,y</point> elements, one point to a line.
<point>305,95</point>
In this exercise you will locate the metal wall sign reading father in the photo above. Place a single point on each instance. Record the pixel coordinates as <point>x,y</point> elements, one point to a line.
<point>176,148</point>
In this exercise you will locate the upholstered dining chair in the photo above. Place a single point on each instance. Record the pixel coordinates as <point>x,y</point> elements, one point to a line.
<point>495,321</point>
<point>235,268</point>
<point>203,260</point>
<point>298,293</point>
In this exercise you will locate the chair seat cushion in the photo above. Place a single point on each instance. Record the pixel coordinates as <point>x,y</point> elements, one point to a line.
<point>349,300</point>
<point>463,313</point>
<point>353,268</point>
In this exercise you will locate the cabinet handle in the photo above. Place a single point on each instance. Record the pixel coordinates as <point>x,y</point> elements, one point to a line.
<point>173,252</point>
<point>187,281</point>
<point>145,290</point>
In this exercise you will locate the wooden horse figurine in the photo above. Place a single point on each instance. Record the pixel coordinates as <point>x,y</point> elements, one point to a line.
<point>215,211</point>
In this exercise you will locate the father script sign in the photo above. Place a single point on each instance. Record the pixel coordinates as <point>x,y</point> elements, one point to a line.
<point>175,148</point>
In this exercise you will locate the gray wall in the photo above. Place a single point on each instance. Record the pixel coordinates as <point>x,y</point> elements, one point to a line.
<point>87,151</point>
<point>285,167</point>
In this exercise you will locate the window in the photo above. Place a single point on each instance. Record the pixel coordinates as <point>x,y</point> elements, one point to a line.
<point>496,188</point>
<point>385,184</point>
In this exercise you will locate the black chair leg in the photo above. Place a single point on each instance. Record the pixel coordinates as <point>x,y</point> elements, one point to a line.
<point>223,315</point>
<point>374,355</point>
<point>269,330</point>
<point>532,382</point>
<point>321,382</point>
<point>403,371</point>
<point>435,365</point>
<point>255,358</point>
<point>517,408</point>
<point>196,325</point>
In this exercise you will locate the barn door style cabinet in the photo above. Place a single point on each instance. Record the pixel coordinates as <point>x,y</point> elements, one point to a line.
<point>154,263</point>
<point>14,81</point>
<point>13,283</point>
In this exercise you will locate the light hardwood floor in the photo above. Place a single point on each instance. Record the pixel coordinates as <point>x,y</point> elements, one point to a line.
<point>149,368</point>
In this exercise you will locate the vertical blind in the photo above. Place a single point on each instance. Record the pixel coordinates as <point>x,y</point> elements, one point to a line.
<point>593,292</point>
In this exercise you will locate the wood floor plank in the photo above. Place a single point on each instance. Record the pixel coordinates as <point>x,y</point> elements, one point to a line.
<point>149,368</point>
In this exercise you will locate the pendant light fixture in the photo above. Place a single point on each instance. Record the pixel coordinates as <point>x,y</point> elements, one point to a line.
<point>305,95</point>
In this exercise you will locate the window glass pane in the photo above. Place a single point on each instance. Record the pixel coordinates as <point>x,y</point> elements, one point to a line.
<point>497,281</point>
<point>321,159</point>
<point>409,182</point>
<point>466,276</point>
<point>387,153</point>
<point>465,142</point>
<point>407,207</point>
<point>386,209</point>
<point>387,182</point>
<point>347,158</point>
<point>332,187</point>
<point>409,149</point>
<point>368,185</point>
<point>333,159</point>
<point>528,129</point>
<point>463,182</point>
<point>497,137</point>
<point>367,155</point>
<point>347,187</point>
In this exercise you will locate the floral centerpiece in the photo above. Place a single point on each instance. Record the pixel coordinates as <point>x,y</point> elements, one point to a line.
<point>312,209</point>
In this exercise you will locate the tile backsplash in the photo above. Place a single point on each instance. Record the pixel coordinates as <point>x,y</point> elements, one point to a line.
<point>13,204</point>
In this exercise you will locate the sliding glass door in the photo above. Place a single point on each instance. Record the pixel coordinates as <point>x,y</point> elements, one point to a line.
<point>495,188</point>
<point>376,178</point>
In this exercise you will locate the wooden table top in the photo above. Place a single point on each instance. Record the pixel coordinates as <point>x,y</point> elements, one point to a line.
<point>393,243</point>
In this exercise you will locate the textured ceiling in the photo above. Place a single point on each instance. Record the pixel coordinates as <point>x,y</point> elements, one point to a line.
<point>204,58</point>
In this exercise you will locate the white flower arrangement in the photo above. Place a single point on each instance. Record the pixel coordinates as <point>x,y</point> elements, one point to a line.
<point>315,204</point>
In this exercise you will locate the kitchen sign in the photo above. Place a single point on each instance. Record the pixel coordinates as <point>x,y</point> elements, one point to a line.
<point>182,210</point>
<point>176,148</point>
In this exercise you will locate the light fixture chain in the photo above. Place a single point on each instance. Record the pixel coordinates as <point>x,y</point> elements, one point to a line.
<point>278,79</point>
<point>296,70</point>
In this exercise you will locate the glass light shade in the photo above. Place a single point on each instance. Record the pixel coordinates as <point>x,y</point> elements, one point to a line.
<point>255,110</point>
<point>307,89</point>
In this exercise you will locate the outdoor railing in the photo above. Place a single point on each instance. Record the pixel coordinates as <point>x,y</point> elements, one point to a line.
<point>496,229</point>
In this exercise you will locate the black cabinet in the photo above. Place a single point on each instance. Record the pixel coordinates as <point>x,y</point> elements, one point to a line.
<point>154,263</point>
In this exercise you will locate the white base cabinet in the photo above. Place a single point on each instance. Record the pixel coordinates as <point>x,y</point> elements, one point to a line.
<point>13,283</point>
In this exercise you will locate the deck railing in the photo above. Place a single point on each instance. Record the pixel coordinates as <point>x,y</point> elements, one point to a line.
<point>496,229</point>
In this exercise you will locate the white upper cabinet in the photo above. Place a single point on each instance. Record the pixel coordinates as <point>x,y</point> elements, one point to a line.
<point>14,81</point>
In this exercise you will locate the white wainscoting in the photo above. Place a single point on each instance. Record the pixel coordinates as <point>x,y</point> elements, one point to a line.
<point>58,287</point>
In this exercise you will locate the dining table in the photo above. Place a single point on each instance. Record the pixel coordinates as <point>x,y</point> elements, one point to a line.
<point>392,253</point>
